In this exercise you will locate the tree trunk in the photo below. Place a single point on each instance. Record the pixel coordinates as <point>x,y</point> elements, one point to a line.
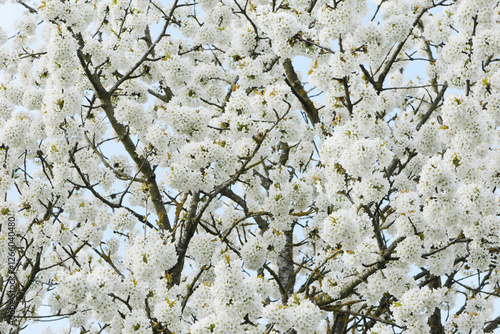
<point>286,273</point>
<point>434,320</point>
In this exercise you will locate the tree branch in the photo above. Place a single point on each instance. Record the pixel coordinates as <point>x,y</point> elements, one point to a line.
<point>298,90</point>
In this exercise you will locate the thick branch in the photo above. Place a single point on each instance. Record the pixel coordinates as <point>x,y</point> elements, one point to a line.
<point>121,130</point>
<point>187,233</point>
<point>378,85</point>
<point>494,324</point>
<point>298,90</point>
<point>241,202</point>
<point>361,277</point>
<point>432,107</point>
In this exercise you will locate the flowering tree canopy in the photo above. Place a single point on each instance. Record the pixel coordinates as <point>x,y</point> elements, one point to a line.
<point>260,166</point>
